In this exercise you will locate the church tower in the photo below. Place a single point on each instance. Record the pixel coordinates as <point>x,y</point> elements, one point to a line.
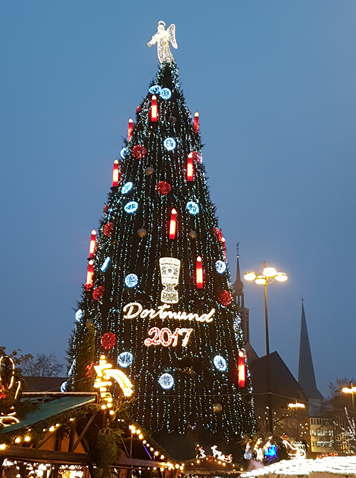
<point>239,297</point>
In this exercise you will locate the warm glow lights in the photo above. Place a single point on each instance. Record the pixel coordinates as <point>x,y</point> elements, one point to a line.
<point>199,273</point>
<point>92,243</point>
<point>250,276</point>
<point>224,247</point>
<point>269,274</point>
<point>348,390</point>
<point>154,112</point>
<point>296,405</point>
<point>115,174</point>
<point>196,122</point>
<point>130,129</point>
<point>241,370</point>
<point>105,372</point>
<point>190,168</point>
<point>90,275</point>
<point>173,225</point>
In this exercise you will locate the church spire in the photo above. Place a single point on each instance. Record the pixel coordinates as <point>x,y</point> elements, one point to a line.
<point>306,375</point>
<point>239,297</point>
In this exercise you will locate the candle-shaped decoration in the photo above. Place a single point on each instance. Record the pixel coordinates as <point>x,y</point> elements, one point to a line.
<point>115,174</point>
<point>173,225</point>
<point>154,112</point>
<point>224,247</point>
<point>241,369</point>
<point>196,122</point>
<point>199,273</point>
<point>92,244</point>
<point>190,168</point>
<point>130,129</point>
<point>90,275</point>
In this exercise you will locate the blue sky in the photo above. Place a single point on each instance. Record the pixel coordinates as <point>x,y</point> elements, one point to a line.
<point>275,85</point>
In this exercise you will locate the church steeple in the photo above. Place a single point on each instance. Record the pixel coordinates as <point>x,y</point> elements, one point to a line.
<point>306,375</point>
<point>239,297</point>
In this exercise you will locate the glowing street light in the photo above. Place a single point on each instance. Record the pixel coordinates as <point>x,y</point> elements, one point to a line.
<point>268,275</point>
<point>351,390</point>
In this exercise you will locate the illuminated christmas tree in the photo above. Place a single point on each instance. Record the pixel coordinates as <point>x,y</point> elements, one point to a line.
<point>158,291</point>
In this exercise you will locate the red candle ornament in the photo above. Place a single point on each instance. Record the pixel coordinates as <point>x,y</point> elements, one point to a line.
<point>154,111</point>
<point>90,275</point>
<point>190,168</point>
<point>115,174</point>
<point>224,247</point>
<point>241,369</point>
<point>130,129</point>
<point>92,244</point>
<point>173,225</point>
<point>199,273</point>
<point>196,122</point>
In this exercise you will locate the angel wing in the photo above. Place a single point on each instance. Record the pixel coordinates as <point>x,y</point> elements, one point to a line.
<point>172,35</point>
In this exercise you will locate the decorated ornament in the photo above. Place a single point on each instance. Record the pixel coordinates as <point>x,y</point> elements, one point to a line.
<point>241,369</point>
<point>166,381</point>
<point>165,93</point>
<point>154,111</point>
<point>142,232</point>
<point>224,247</point>
<point>220,267</point>
<point>172,119</point>
<point>173,225</point>
<point>108,340</point>
<point>98,292</point>
<point>195,156</point>
<point>218,233</point>
<point>125,359</point>
<point>190,169</point>
<point>92,243</point>
<point>149,170</point>
<point>192,234</point>
<point>199,273</point>
<point>217,408</point>
<point>155,90</point>
<point>192,208</point>
<point>138,109</point>
<point>224,297</point>
<point>170,268</point>
<point>131,207</point>
<point>105,264</point>
<point>169,144</point>
<point>131,280</point>
<point>196,123</point>
<point>106,209</point>
<point>220,363</point>
<point>126,188</point>
<point>108,228</point>
<point>139,151</point>
<point>124,153</point>
<point>163,188</point>
<point>78,315</point>
<point>90,275</point>
<point>115,174</point>
<point>130,129</point>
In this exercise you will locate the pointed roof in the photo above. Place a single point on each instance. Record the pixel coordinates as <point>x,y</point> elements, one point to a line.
<point>306,375</point>
<point>238,284</point>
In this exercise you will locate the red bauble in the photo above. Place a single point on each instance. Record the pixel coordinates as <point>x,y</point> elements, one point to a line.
<point>108,340</point>
<point>108,229</point>
<point>106,209</point>
<point>163,187</point>
<point>139,151</point>
<point>196,156</point>
<point>138,109</point>
<point>98,292</point>
<point>218,233</point>
<point>224,297</point>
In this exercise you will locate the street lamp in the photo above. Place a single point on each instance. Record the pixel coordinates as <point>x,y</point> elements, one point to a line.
<point>268,275</point>
<point>351,390</point>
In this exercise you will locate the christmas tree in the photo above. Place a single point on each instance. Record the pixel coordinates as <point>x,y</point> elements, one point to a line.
<point>158,292</point>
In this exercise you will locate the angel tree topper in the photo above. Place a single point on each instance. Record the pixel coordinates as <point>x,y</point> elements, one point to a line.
<point>162,38</point>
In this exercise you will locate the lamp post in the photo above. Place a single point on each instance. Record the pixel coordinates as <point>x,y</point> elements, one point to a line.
<point>351,390</point>
<point>268,275</point>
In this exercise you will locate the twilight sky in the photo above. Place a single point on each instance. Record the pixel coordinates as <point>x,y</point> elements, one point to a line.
<point>275,85</point>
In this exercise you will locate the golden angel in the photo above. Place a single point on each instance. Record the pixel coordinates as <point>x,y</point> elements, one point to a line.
<point>162,38</point>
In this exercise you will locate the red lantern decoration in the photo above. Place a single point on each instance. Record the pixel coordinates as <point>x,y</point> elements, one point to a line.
<point>190,168</point>
<point>196,156</point>
<point>92,244</point>
<point>139,151</point>
<point>196,122</point>
<point>163,187</point>
<point>130,129</point>
<point>115,174</point>
<point>173,225</point>
<point>199,273</point>
<point>241,369</point>
<point>224,297</point>
<point>222,240</point>
<point>108,340</point>
<point>90,275</point>
<point>154,111</point>
<point>98,292</point>
<point>108,229</point>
